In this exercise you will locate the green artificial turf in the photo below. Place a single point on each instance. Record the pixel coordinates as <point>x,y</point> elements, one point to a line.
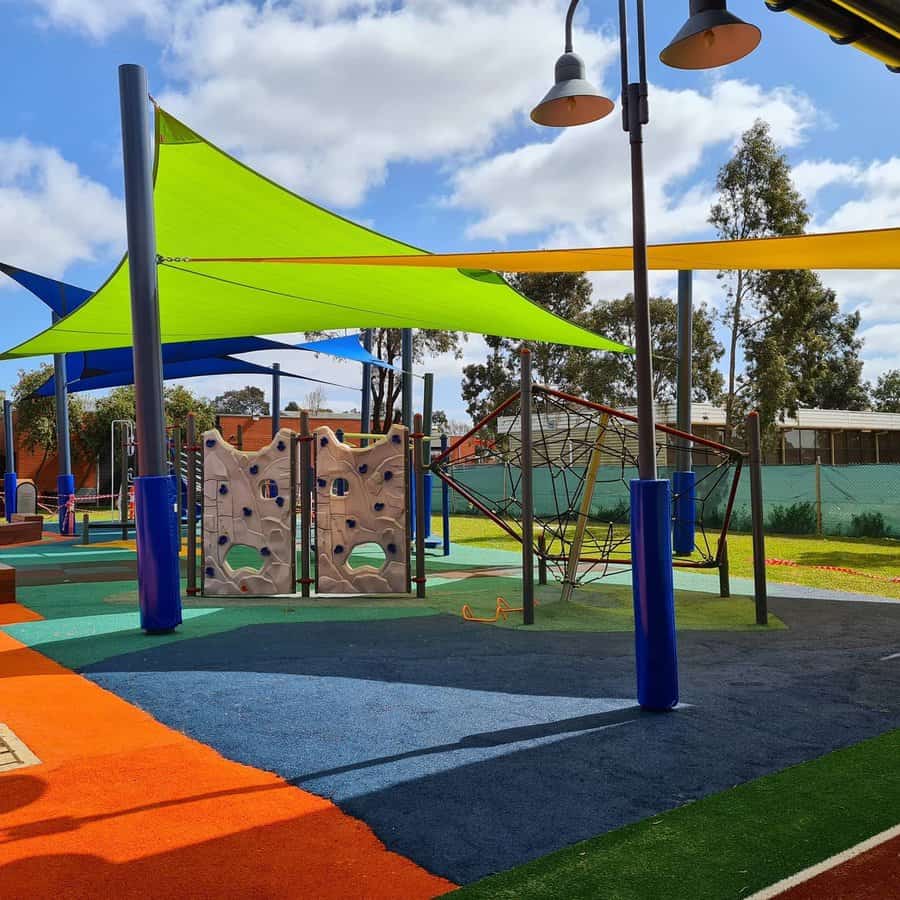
<point>726,845</point>
<point>600,607</point>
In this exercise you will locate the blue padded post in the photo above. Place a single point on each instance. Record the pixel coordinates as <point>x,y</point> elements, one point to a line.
<point>684,487</point>
<point>10,485</point>
<point>65,490</point>
<point>654,594</point>
<point>158,539</point>
<point>427,491</point>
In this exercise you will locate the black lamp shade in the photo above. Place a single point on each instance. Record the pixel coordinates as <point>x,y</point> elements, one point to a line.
<point>572,100</point>
<point>710,38</point>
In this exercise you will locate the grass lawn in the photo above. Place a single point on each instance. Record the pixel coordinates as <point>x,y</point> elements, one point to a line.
<point>877,556</point>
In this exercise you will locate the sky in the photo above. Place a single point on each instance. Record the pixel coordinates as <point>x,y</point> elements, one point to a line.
<point>412,118</point>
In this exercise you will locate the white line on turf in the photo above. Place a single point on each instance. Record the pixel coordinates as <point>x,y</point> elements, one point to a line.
<point>892,656</point>
<point>832,862</point>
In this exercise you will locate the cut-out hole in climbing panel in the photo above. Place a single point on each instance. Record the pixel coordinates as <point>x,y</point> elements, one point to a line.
<point>242,556</point>
<point>370,554</point>
<point>268,489</point>
<point>340,487</point>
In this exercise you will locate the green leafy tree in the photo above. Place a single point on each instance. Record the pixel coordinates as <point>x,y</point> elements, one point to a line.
<point>787,327</point>
<point>611,377</point>
<point>248,401</point>
<point>36,416</point>
<point>886,392</point>
<point>293,406</point>
<point>440,422</point>
<point>486,385</point>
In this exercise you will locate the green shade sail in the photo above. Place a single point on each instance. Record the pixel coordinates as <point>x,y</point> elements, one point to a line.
<point>210,205</point>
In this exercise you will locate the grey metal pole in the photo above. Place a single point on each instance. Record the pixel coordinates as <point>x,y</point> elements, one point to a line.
<point>294,486</point>
<point>123,487</point>
<point>10,481</point>
<point>527,489</point>
<point>276,398</point>
<point>757,518</point>
<point>365,408</point>
<point>192,451</point>
<point>419,475</point>
<point>685,364</point>
<point>427,407</point>
<point>305,502</point>
<point>406,355</point>
<point>179,500</point>
<point>159,590</point>
<point>65,482</point>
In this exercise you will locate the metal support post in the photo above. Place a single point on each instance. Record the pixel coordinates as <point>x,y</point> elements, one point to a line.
<point>542,558</point>
<point>305,502</point>
<point>10,480</point>
<point>123,487</point>
<point>365,408</point>
<point>419,475</point>
<point>294,485</point>
<point>445,503</point>
<point>276,398</point>
<point>179,505</point>
<point>757,518</point>
<point>527,489</point>
<point>406,357</point>
<point>192,451</point>
<point>65,480</point>
<point>684,483</point>
<point>85,529</point>
<point>159,589</point>
<point>724,571</point>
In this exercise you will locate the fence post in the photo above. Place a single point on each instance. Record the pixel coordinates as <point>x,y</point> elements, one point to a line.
<point>191,476</point>
<point>527,489</point>
<point>419,475</point>
<point>819,496</point>
<point>757,516</point>
<point>305,503</point>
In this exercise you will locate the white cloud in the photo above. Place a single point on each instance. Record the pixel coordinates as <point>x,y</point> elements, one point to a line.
<point>101,18</point>
<point>50,213</point>
<point>577,186</point>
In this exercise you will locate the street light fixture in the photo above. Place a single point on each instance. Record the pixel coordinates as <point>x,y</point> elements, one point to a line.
<point>711,37</point>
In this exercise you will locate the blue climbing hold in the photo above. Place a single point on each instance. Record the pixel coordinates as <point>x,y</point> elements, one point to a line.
<point>210,442</point>
<point>379,507</point>
<point>339,548</point>
<point>265,551</point>
<point>323,441</point>
<point>279,501</point>
<point>280,445</point>
<point>392,548</point>
<point>363,469</point>
<point>351,523</point>
<point>223,489</point>
<point>254,469</point>
<point>223,539</point>
<point>388,475</point>
<point>210,571</point>
<point>247,511</point>
<point>395,438</point>
<point>321,482</point>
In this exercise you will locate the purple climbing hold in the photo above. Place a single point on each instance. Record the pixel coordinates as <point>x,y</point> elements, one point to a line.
<point>210,442</point>
<point>247,511</point>
<point>280,445</point>
<point>392,548</point>
<point>265,551</point>
<point>388,475</point>
<point>321,482</point>
<point>351,523</point>
<point>379,507</point>
<point>210,571</point>
<point>223,489</point>
<point>363,469</point>
<point>223,539</point>
<point>395,438</point>
<point>279,501</point>
<point>323,441</point>
<point>339,548</point>
<point>254,469</point>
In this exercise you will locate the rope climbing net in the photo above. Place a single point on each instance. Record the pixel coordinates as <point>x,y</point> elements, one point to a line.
<point>583,457</point>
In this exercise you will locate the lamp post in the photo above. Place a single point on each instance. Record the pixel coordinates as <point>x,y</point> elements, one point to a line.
<point>711,37</point>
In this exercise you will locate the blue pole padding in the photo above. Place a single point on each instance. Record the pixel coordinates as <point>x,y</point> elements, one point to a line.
<point>684,487</point>
<point>158,539</point>
<point>654,594</point>
<point>65,490</point>
<point>10,486</point>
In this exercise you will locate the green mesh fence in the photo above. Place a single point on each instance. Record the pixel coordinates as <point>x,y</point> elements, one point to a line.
<point>858,500</point>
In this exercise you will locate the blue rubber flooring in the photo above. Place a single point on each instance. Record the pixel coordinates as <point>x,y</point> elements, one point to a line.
<point>472,749</point>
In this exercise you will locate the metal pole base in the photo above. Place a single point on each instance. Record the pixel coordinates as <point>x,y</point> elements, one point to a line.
<point>684,487</point>
<point>654,594</point>
<point>159,586</point>
<point>10,486</point>
<point>65,490</point>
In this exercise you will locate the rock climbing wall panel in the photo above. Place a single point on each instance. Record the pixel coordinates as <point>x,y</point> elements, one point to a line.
<point>248,541</point>
<point>361,499</point>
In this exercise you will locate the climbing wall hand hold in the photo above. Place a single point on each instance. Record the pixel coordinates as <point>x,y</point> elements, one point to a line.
<point>321,482</point>
<point>395,438</point>
<point>247,511</point>
<point>223,540</point>
<point>265,551</point>
<point>388,475</point>
<point>279,501</point>
<point>363,469</point>
<point>210,443</point>
<point>223,489</point>
<point>351,523</point>
<point>210,571</point>
<point>391,548</point>
<point>323,442</point>
<point>339,548</point>
<point>254,469</point>
<point>379,507</point>
<point>280,445</point>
